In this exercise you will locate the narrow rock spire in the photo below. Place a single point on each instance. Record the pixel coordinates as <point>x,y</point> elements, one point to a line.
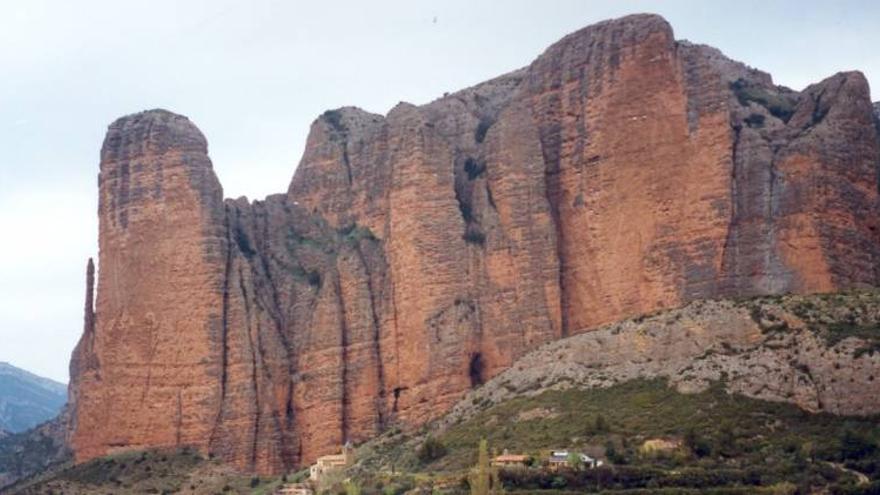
<point>89,318</point>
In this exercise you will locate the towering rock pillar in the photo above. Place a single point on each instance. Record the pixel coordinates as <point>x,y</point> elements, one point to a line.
<point>638,162</point>
<point>158,330</point>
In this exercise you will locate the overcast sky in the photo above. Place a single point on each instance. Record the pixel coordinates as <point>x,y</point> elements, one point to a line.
<point>254,74</point>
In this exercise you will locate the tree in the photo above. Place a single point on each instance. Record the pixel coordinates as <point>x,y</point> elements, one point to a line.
<point>558,483</point>
<point>480,478</point>
<point>600,425</point>
<point>611,453</point>
<point>697,445</point>
<point>431,450</point>
<point>727,439</point>
<point>574,461</point>
<point>855,444</point>
<point>807,451</point>
<point>352,488</point>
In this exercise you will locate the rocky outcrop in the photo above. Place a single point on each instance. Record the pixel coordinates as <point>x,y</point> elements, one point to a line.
<point>418,254</point>
<point>819,352</point>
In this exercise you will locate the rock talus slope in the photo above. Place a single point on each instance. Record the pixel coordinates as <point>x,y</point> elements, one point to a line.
<point>418,254</point>
<point>819,352</point>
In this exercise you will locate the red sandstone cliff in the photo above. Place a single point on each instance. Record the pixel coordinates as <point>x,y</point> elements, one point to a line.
<point>418,254</point>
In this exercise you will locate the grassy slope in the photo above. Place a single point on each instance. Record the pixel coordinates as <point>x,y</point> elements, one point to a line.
<point>748,441</point>
<point>161,472</point>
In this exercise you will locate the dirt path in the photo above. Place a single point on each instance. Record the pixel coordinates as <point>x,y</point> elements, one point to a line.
<point>862,478</point>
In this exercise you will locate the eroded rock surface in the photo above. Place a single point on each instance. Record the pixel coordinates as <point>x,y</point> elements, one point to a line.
<point>418,254</point>
<point>819,352</point>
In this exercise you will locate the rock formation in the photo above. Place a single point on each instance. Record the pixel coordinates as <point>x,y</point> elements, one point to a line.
<point>820,352</point>
<point>418,254</point>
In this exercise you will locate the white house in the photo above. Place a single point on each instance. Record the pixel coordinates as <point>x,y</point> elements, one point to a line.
<point>559,458</point>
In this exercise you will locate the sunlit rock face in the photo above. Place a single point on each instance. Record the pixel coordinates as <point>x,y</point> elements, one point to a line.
<point>416,255</point>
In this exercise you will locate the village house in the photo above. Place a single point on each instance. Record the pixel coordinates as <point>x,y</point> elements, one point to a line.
<point>655,445</point>
<point>560,459</point>
<point>294,489</point>
<point>332,462</point>
<point>510,460</point>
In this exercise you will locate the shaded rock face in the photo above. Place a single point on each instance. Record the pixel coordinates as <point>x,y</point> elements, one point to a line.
<point>418,254</point>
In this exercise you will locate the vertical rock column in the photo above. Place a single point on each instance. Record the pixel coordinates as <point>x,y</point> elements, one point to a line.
<point>640,185</point>
<point>157,337</point>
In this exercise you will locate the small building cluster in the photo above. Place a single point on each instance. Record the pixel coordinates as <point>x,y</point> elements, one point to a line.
<point>294,489</point>
<point>510,460</point>
<point>655,445</point>
<point>329,463</point>
<point>563,458</point>
<point>557,459</point>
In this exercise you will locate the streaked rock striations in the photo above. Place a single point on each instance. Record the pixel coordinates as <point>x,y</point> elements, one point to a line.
<point>418,254</point>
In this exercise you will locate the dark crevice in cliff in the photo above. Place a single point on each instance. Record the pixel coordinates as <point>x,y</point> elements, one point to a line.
<point>224,330</point>
<point>550,150</point>
<point>178,420</point>
<point>154,343</point>
<point>729,259</point>
<point>463,179</point>
<point>393,295</point>
<point>255,385</point>
<point>278,320</point>
<point>476,370</point>
<point>346,161</point>
<point>397,393</point>
<point>377,338</point>
<point>818,112</point>
<point>344,372</point>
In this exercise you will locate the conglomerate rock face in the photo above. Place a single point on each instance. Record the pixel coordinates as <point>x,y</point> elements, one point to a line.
<point>418,254</point>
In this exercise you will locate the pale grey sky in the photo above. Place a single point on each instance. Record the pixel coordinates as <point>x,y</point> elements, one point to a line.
<point>253,74</point>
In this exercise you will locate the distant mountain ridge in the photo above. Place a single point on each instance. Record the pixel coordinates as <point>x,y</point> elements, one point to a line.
<point>26,399</point>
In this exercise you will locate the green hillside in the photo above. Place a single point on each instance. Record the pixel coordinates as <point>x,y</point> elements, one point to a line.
<point>728,441</point>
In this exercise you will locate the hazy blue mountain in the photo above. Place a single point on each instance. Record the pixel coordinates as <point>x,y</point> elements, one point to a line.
<point>27,400</point>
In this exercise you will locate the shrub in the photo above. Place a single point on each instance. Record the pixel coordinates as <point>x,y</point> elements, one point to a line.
<point>474,169</point>
<point>334,118</point>
<point>473,236</point>
<point>314,278</point>
<point>558,483</point>
<point>431,450</point>
<point>698,445</point>
<point>746,92</point>
<point>755,120</point>
<point>855,445</point>
<point>244,244</point>
<point>482,129</point>
<point>600,425</point>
